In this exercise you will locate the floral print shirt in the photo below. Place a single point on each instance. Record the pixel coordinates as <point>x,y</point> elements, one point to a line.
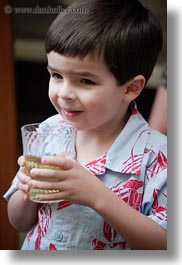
<point>134,168</point>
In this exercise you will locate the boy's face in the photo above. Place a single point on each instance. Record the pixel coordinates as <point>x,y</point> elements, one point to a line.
<point>85,92</point>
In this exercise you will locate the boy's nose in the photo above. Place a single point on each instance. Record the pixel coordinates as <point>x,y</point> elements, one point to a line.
<point>66,93</point>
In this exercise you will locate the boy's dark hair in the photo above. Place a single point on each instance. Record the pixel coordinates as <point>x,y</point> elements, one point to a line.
<point>123,32</point>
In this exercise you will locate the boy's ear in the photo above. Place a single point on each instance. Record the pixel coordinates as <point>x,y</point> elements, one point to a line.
<point>133,88</point>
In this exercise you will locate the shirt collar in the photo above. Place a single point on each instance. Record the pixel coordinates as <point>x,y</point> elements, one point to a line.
<point>126,153</point>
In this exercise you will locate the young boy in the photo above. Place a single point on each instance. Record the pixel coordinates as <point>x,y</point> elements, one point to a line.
<point>114,192</point>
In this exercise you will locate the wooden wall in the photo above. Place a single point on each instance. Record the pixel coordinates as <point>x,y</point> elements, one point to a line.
<point>8,139</point>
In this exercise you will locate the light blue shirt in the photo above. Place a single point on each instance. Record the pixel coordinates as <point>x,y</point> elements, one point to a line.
<point>134,168</point>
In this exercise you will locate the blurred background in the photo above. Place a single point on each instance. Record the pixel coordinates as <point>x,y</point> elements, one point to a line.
<point>24,83</point>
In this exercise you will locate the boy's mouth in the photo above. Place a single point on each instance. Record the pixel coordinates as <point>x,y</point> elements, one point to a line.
<point>71,113</point>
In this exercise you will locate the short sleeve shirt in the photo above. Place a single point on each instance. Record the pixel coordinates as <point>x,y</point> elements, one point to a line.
<point>134,168</point>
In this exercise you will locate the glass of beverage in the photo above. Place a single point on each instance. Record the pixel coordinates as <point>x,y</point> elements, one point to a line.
<point>40,139</point>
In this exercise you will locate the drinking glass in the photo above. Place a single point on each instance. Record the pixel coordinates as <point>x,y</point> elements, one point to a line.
<point>40,139</point>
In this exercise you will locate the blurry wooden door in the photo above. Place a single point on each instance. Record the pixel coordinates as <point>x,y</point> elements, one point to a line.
<point>8,139</point>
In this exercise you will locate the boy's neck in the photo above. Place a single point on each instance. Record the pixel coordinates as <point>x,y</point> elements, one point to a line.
<point>94,143</point>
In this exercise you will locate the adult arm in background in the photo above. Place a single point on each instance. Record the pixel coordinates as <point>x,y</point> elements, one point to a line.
<point>158,114</point>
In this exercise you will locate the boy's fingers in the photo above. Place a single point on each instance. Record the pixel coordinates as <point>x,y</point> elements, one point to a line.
<point>22,176</point>
<point>56,196</point>
<point>43,185</point>
<point>22,183</point>
<point>21,161</point>
<point>62,161</point>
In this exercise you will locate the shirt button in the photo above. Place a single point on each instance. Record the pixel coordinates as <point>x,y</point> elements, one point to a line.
<point>59,236</point>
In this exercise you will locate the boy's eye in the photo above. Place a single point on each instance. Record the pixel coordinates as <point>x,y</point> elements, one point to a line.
<point>87,82</point>
<point>56,76</point>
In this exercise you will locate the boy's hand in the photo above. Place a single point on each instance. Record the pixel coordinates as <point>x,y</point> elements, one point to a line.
<point>23,179</point>
<point>73,181</point>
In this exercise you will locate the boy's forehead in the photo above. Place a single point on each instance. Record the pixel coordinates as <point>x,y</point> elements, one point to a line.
<point>57,61</point>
